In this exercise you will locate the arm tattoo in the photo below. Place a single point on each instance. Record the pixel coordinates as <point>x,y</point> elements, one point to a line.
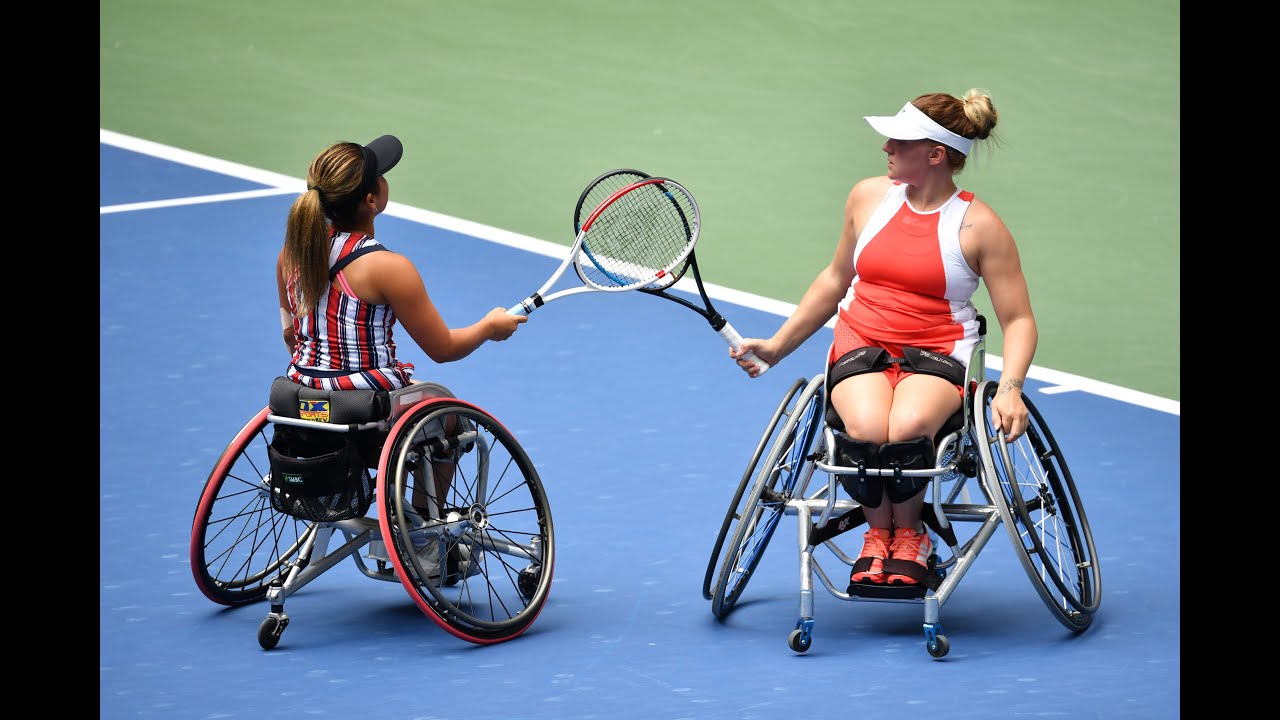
<point>1009,384</point>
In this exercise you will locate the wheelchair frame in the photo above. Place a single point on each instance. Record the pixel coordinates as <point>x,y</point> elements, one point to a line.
<point>1026,486</point>
<point>493,528</point>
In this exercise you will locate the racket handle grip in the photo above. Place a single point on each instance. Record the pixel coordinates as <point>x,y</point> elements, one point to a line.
<point>527,306</point>
<point>732,337</point>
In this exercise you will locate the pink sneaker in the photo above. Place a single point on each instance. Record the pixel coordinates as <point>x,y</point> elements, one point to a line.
<point>868,568</point>
<point>911,547</point>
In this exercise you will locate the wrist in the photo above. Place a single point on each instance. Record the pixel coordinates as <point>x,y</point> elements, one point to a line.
<point>1010,383</point>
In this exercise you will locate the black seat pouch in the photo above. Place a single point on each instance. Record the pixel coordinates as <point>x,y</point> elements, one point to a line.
<point>866,489</point>
<point>915,454</point>
<point>319,475</point>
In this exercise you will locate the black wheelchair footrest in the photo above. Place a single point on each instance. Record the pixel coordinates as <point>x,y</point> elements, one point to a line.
<point>871,591</point>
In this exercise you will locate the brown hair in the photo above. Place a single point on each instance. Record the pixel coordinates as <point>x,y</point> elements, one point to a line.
<point>333,179</point>
<point>974,116</point>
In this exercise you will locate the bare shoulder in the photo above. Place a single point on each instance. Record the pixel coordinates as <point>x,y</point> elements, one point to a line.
<point>866,195</point>
<point>986,241</point>
<point>379,276</point>
<point>386,264</point>
<point>872,188</point>
<point>983,222</point>
<point>384,260</point>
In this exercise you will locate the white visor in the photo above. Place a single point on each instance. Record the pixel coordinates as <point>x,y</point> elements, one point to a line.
<point>911,124</point>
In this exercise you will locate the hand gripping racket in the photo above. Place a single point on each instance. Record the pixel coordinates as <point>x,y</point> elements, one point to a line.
<point>634,237</point>
<point>682,205</point>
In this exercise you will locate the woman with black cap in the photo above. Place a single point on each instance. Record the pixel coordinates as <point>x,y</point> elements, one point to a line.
<point>341,291</point>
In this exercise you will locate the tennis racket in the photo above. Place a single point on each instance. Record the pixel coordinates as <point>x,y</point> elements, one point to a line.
<point>603,187</point>
<point>635,236</point>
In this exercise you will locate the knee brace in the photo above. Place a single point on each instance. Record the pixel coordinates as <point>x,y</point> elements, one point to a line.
<point>866,489</point>
<point>915,454</point>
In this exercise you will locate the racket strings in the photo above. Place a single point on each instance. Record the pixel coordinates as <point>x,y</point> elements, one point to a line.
<point>642,238</point>
<point>599,192</point>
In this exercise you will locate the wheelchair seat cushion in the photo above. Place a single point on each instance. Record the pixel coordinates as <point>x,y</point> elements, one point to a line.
<point>341,407</point>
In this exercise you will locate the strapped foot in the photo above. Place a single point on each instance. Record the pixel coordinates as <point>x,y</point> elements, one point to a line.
<point>869,567</point>
<point>908,557</point>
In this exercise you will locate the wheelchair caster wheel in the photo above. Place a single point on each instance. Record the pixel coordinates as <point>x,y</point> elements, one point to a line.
<point>270,630</point>
<point>799,641</point>
<point>939,647</point>
<point>802,637</point>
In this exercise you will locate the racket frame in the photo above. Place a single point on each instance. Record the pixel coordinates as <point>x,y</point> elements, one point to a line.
<point>718,322</point>
<point>579,250</point>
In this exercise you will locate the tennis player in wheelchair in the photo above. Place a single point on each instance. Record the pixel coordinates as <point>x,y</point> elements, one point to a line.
<point>342,292</point>
<point>912,251</point>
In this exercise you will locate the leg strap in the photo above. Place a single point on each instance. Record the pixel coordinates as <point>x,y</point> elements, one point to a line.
<point>915,454</point>
<point>866,489</point>
<point>874,359</point>
<point>863,564</point>
<point>911,569</point>
<point>932,363</point>
<point>856,362</point>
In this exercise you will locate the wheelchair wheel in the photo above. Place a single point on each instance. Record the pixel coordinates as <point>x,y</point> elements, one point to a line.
<point>1036,496</point>
<point>735,507</point>
<point>789,437</point>
<point>239,544</point>
<point>478,557</point>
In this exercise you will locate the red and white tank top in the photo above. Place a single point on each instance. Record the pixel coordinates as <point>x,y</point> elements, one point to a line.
<point>911,284</point>
<point>345,343</point>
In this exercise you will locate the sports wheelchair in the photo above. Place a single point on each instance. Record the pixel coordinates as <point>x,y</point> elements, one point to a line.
<point>1026,486</point>
<point>462,520</point>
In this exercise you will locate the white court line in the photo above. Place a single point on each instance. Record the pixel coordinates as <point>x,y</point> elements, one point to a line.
<point>224,197</point>
<point>1060,382</point>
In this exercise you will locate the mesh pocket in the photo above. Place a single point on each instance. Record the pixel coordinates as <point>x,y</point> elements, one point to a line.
<point>320,478</point>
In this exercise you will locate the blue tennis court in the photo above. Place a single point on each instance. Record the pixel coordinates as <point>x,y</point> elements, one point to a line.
<point>639,425</point>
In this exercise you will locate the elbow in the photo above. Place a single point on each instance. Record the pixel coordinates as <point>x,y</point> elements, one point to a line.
<point>441,358</point>
<point>440,348</point>
<point>1025,332</point>
<point>450,354</point>
<point>453,348</point>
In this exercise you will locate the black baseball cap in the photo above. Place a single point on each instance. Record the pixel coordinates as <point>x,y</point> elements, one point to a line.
<point>380,155</point>
<point>386,153</point>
